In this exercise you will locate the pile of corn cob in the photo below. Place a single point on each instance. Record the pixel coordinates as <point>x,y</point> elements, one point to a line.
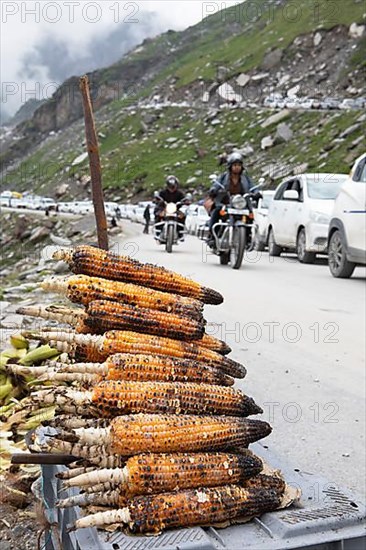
<point>147,406</point>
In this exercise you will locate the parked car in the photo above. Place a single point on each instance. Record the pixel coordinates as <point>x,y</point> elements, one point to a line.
<point>261,220</point>
<point>299,214</point>
<point>330,103</point>
<point>347,228</point>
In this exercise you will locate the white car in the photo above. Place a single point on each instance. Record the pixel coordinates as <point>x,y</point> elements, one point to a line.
<point>347,229</point>
<point>191,216</point>
<point>300,212</point>
<point>261,220</point>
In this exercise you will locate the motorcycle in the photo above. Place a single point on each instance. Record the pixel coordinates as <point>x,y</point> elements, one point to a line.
<point>233,233</point>
<point>170,230</point>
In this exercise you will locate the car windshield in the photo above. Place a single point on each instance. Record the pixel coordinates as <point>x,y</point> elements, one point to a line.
<point>325,186</point>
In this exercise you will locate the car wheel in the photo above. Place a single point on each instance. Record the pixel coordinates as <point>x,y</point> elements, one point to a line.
<point>303,256</point>
<point>273,248</point>
<point>338,264</point>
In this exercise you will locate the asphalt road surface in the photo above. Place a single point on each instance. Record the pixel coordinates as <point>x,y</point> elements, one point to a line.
<point>301,335</point>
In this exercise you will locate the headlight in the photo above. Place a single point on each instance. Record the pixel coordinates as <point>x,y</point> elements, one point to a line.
<point>319,217</point>
<point>239,202</point>
<point>171,208</point>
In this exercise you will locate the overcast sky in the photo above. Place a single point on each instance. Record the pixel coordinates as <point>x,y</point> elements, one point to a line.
<point>45,42</point>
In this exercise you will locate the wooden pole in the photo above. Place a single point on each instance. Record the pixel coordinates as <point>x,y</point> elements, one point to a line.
<point>94,163</point>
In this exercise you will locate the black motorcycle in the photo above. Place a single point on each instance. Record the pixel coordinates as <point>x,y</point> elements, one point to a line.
<point>233,232</point>
<point>170,230</point>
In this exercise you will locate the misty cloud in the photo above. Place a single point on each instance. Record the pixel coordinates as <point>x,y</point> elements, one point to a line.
<point>59,60</point>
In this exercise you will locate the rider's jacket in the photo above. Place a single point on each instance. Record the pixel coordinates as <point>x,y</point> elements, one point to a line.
<point>220,190</point>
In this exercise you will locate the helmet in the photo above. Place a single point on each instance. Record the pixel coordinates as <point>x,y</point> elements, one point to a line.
<point>234,157</point>
<point>172,182</point>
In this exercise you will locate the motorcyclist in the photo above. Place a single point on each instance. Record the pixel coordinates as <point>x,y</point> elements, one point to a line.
<point>171,193</point>
<point>232,182</point>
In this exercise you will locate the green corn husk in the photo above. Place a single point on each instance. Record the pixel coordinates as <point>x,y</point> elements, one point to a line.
<point>18,341</point>
<point>39,354</point>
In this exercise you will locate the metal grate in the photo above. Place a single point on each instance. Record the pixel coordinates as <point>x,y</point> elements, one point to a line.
<point>119,541</point>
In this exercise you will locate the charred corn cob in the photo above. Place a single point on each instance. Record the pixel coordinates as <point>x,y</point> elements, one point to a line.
<point>116,341</point>
<point>91,261</point>
<point>144,433</point>
<point>160,473</point>
<point>103,315</point>
<point>210,342</point>
<point>111,398</point>
<point>83,289</point>
<point>128,366</point>
<point>203,506</point>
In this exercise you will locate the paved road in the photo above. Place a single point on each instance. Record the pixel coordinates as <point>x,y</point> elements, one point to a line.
<point>301,334</point>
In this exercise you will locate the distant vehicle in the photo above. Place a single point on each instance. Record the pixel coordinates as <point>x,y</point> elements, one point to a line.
<point>191,216</point>
<point>43,203</point>
<point>261,221</point>
<point>272,100</point>
<point>299,214</point>
<point>347,104</point>
<point>347,228</point>
<point>330,103</point>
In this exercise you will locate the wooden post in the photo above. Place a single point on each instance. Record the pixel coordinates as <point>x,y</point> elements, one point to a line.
<point>94,163</point>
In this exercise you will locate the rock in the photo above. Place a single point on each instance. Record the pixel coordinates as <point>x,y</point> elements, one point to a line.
<point>215,122</point>
<point>101,135</point>
<point>39,233</point>
<point>246,150</point>
<point>61,190</point>
<point>190,180</point>
<point>12,321</point>
<point>271,59</point>
<point>283,133</point>
<point>356,142</point>
<point>243,79</point>
<point>79,159</point>
<point>60,241</point>
<point>349,130</point>
<point>284,79</point>
<point>21,230</point>
<point>277,117</point>
<point>301,168</point>
<point>260,76</point>
<point>171,139</point>
<point>222,73</point>
<point>317,39</point>
<point>356,31</point>
<point>267,142</point>
<point>5,545</point>
<point>85,180</point>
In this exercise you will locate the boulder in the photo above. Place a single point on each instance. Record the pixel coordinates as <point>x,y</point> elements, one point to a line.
<point>317,39</point>
<point>243,79</point>
<point>61,190</point>
<point>283,133</point>
<point>277,117</point>
<point>356,31</point>
<point>271,59</point>
<point>39,233</point>
<point>267,142</point>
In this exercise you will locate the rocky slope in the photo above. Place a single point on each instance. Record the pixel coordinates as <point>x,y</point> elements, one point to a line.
<point>315,46</point>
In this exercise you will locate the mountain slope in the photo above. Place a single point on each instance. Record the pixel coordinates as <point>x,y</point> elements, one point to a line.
<point>276,48</point>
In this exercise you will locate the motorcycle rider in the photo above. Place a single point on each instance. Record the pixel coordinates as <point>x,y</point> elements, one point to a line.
<point>171,193</point>
<point>232,182</point>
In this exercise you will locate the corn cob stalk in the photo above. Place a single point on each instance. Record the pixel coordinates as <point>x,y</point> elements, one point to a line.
<point>112,398</point>
<point>144,433</point>
<point>203,506</point>
<point>116,341</point>
<point>92,261</point>
<point>160,473</point>
<point>83,289</point>
<point>129,366</point>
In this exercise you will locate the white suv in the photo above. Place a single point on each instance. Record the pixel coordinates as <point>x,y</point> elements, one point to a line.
<point>347,229</point>
<point>300,212</point>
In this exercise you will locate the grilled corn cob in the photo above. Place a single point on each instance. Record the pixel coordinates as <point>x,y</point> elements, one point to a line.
<point>210,342</point>
<point>203,506</point>
<point>144,433</point>
<point>159,473</point>
<point>116,341</point>
<point>111,398</point>
<point>91,261</point>
<point>83,289</point>
<point>103,315</point>
<point>129,366</point>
